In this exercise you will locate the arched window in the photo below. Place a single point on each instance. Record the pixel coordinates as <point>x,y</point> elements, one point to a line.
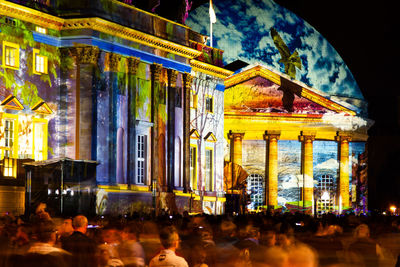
<point>255,187</point>
<point>326,196</point>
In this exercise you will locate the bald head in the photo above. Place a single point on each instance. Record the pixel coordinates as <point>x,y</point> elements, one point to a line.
<point>80,223</point>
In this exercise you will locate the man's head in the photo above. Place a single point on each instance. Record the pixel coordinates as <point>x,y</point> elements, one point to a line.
<point>66,229</point>
<point>45,232</point>
<point>80,223</point>
<point>169,238</point>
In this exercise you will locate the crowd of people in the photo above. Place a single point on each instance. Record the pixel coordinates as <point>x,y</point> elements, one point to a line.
<point>256,240</point>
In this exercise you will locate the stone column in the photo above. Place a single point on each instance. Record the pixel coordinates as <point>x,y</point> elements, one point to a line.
<point>155,87</point>
<point>343,140</point>
<point>271,168</point>
<point>236,154</point>
<point>113,68</point>
<point>172,76</point>
<point>187,82</point>
<point>86,60</point>
<point>132,66</point>
<point>306,140</point>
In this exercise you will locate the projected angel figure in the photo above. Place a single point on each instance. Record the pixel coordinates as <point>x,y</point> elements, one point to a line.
<point>290,61</point>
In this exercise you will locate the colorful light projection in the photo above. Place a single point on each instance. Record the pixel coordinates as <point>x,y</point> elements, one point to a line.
<point>243,31</point>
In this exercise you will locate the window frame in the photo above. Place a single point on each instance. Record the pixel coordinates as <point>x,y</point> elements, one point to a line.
<point>36,53</point>
<point>14,149</point>
<point>44,125</point>
<point>193,168</point>
<point>141,159</point>
<point>209,97</point>
<point>41,30</point>
<point>209,171</point>
<point>7,46</point>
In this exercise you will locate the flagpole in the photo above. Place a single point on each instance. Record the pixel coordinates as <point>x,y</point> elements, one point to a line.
<point>211,29</point>
<point>213,19</point>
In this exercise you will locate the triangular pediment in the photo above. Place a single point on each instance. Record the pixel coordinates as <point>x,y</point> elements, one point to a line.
<point>41,107</point>
<point>210,137</point>
<point>194,134</point>
<point>260,90</point>
<point>11,102</point>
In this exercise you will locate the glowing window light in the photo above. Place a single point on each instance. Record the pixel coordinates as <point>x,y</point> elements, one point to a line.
<point>10,167</point>
<point>8,137</point>
<point>38,141</point>
<point>39,62</point>
<point>325,196</point>
<point>10,56</point>
<point>41,30</point>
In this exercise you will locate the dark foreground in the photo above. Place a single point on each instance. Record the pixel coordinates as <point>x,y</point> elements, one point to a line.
<point>247,240</point>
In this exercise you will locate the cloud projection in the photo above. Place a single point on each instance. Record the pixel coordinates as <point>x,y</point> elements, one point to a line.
<point>242,30</point>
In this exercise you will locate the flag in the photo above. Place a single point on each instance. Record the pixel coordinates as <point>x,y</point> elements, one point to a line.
<point>213,18</point>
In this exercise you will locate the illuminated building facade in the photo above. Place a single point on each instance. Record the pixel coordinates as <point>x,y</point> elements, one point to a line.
<point>133,92</point>
<point>294,139</point>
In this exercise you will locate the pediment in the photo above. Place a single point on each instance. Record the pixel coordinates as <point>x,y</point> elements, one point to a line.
<point>194,134</point>
<point>41,107</point>
<point>259,90</point>
<point>11,102</point>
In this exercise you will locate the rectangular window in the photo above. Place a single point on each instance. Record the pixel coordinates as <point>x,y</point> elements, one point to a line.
<point>193,99</point>
<point>10,55</point>
<point>209,104</point>
<point>193,167</point>
<point>209,170</point>
<point>39,63</point>
<point>8,138</point>
<point>38,141</point>
<point>141,159</point>
<point>41,30</point>
<point>10,167</point>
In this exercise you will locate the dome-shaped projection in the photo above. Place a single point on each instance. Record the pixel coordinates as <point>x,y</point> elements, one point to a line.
<point>243,31</point>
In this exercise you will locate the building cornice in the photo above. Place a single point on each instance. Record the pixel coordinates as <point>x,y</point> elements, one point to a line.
<point>48,21</point>
<point>117,30</point>
<point>30,15</point>
<point>314,97</point>
<point>210,69</point>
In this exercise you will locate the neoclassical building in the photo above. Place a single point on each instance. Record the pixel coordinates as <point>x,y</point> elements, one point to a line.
<point>295,143</point>
<point>101,106</point>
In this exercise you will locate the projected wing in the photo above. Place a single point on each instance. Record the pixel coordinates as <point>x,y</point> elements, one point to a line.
<point>280,45</point>
<point>295,60</point>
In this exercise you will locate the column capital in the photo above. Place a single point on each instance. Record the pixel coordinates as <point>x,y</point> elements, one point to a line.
<point>114,62</point>
<point>188,79</point>
<point>270,135</point>
<point>132,65</point>
<point>172,76</point>
<point>85,54</point>
<point>307,136</point>
<point>156,71</point>
<point>343,137</point>
<point>232,135</point>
